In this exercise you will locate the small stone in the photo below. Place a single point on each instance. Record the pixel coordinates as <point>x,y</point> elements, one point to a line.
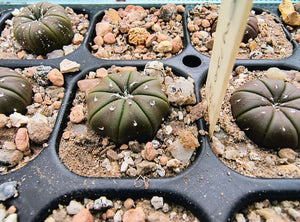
<point>134,215</point>
<point>77,39</point>
<point>124,147</point>
<point>288,153</point>
<point>98,40</point>
<point>77,114</point>
<point>118,216</point>
<point>102,28</point>
<point>110,213</point>
<point>149,152</point>
<point>138,36</point>
<point>10,157</point>
<point>109,38</point>
<point>102,203</point>
<point>276,73</point>
<point>180,8</point>
<point>3,120</point>
<point>8,190</point>
<point>205,23</point>
<point>84,215</point>
<point>22,140</point>
<point>37,98</point>
<point>67,66</point>
<point>164,46</point>
<point>101,73</point>
<point>9,145</point>
<point>173,163</point>
<point>217,146</point>
<point>157,217</point>
<point>112,15</point>
<point>168,12</point>
<point>181,91</point>
<point>188,140</point>
<point>145,167</point>
<point>112,155</point>
<point>135,146</point>
<point>157,202</point>
<point>55,54</point>
<point>74,207</point>
<point>124,167</point>
<point>126,68</point>
<point>17,119</point>
<point>38,132</point>
<point>128,203</point>
<point>163,160</point>
<point>181,153</point>
<point>56,77</point>
<point>252,46</point>
<point>86,85</point>
<point>176,44</point>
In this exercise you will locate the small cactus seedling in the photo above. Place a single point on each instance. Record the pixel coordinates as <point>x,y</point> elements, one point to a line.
<point>15,92</point>
<point>127,106</point>
<point>42,27</point>
<point>251,31</point>
<point>268,110</point>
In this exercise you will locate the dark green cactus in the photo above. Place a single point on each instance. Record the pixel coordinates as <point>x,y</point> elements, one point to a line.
<point>42,27</point>
<point>268,110</point>
<point>127,106</point>
<point>251,31</point>
<point>15,92</point>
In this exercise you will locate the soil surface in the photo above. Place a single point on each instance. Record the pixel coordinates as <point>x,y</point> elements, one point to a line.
<point>137,33</point>
<point>38,121</point>
<point>270,43</point>
<point>154,209</point>
<point>236,150</point>
<point>11,49</point>
<point>172,149</point>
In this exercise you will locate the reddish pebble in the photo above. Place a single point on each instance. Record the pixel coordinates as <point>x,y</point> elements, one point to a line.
<point>109,38</point>
<point>149,153</point>
<point>84,215</point>
<point>134,215</point>
<point>56,77</point>
<point>22,139</point>
<point>77,114</point>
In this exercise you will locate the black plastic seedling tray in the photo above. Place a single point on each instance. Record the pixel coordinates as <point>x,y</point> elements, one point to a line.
<point>208,188</point>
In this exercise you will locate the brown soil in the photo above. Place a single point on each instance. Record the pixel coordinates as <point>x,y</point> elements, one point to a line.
<point>237,151</point>
<point>88,154</point>
<point>270,43</point>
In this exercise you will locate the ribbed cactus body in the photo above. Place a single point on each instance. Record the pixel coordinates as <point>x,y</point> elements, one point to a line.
<point>268,110</point>
<point>15,92</point>
<point>127,106</point>
<point>42,27</point>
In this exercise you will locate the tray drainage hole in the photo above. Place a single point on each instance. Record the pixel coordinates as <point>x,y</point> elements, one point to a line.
<point>191,61</point>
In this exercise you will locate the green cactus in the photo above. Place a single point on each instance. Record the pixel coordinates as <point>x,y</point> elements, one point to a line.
<point>127,106</point>
<point>15,92</point>
<point>251,30</point>
<point>268,110</point>
<point>42,27</point>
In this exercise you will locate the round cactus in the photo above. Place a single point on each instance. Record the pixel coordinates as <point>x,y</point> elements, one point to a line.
<point>268,110</point>
<point>127,106</point>
<point>251,29</point>
<point>42,27</point>
<point>15,92</point>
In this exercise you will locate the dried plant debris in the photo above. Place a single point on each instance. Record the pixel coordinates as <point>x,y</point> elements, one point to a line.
<point>11,49</point>
<point>236,150</point>
<point>270,43</point>
<point>170,151</point>
<point>104,209</point>
<point>268,210</point>
<point>138,33</point>
<point>23,136</point>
